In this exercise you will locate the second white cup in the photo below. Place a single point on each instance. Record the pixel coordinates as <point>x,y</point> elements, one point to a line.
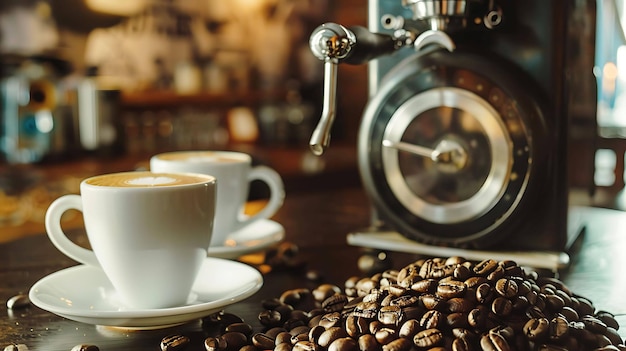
<point>234,173</point>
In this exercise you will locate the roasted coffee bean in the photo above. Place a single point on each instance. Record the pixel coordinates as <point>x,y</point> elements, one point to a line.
<point>506,287</point>
<point>356,326</point>
<point>399,344</point>
<point>286,337</point>
<point>396,290</point>
<point>273,332</point>
<point>367,342</point>
<point>585,307</point>
<point>428,338</point>
<point>324,291</point>
<point>602,340</point>
<point>366,310</point>
<point>484,293</point>
<point>501,306</point>
<point>294,297</point>
<point>299,337</point>
<point>474,282</point>
<point>408,270</point>
<point>305,346</point>
<point>214,344</point>
<point>174,342</point>
<point>222,318</point>
<point>559,328</point>
<point>270,304</point>
<point>405,300</point>
<point>364,286</point>
<point>431,319</point>
<point>450,289</point>
<point>554,303</point>
<point>244,328</point>
<point>18,301</point>
<point>461,273</point>
<point>534,312</point>
<point>390,315</point>
<point>594,324</point>
<point>461,344</point>
<point>494,342</point>
<point>496,274</point>
<point>459,304</point>
<point>263,341</point>
<point>375,326</point>
<point>376,295</point>
<point>412,312</point>
<point>349,286</point>
<point>457,320</point>
<point>385,335</point>
<point>537,329</point>
<point>433,302</point>
<point>613,335</point>
<point>270,318</point>
<point>253,348</point>
<point>332,319</point>
<point>284,346</point>
<point>330,335</point>
<point>425,286</point>
<point>343,344</point>
<point>477,317</point>
<point>335,303</point>
<point>315,320</point>
<point>85,347</point>
<point>386,301</point>
<point>608,319</point>
<point>520,303</point>
<point>409,328</point>
<point>443,271</point>
<point>409,280</point>
<point>426,268</point>
<point>485,267</point>
<point>314,333</point>
<point>234,340</point>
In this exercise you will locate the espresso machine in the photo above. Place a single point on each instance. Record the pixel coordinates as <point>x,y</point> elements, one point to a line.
<point>463,147</point>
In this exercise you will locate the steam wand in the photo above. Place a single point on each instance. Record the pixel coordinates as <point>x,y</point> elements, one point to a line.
<point>334,43</point>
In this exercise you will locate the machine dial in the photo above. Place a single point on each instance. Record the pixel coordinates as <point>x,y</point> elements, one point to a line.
<point>449,147</point>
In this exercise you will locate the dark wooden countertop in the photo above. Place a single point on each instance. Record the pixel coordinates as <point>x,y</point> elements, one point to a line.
<point>317,223</point>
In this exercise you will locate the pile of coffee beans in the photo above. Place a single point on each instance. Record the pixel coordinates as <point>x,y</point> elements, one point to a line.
<point>432,304</point>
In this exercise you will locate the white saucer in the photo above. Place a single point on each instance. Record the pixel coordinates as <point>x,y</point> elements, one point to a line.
<point>255,237</point>
<point>84,294</point>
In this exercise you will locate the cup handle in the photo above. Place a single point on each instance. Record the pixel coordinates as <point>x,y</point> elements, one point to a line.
<point>277,193</point>
<point>59,238</point>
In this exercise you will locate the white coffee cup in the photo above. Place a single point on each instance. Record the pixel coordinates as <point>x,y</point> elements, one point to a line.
<point>234,172</point>
<point>149,232</point>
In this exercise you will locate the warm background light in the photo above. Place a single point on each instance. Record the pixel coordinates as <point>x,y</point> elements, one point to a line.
<point>117,7</point>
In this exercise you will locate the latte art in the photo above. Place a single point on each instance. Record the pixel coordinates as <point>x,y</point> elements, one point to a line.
<point>145,179</point>
<point>152,181</point>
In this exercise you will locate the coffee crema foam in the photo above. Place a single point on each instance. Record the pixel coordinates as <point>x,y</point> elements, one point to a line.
<point>144,179</point>
<point>200,157</point>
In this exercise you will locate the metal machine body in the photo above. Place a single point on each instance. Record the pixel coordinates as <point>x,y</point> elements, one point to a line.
<point>464,140</point>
